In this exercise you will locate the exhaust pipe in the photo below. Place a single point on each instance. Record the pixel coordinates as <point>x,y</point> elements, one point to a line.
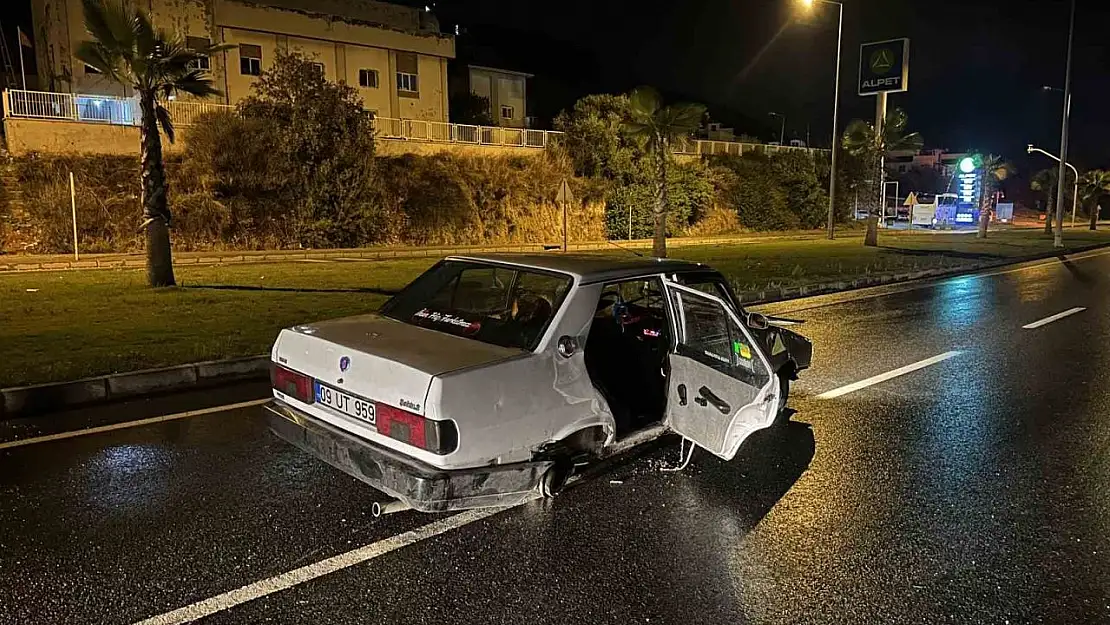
<point>389,507</point>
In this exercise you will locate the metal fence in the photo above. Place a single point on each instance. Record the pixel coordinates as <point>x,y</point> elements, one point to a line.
<point>443,132</point>
<point>735,148</point>
<point>96,109</point>
<point>117,110</point>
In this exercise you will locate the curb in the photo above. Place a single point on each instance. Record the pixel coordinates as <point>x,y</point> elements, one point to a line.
<point>13,264</point>
<point>26,401</point>
<point>768,296</point>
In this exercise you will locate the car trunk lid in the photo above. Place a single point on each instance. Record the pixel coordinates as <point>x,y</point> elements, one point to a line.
<point>381,359</point>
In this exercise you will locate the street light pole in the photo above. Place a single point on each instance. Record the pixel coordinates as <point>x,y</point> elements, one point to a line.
<point>836,110</point>
<point>1058,240</point>
<point>782,131</point>
<point>1075,188</point>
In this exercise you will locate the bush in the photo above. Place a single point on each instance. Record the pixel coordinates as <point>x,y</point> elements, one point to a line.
<point>778,192</point>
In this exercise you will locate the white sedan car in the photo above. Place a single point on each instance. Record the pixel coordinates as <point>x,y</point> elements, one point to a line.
<point>480,382</point>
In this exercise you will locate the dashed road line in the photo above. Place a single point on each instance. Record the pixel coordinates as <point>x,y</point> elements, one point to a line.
<point>1058,316</point>
<point>883,377</point>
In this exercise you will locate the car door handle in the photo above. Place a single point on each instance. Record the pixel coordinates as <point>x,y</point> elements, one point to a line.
<point>681,394</point>
<point>709,397</point>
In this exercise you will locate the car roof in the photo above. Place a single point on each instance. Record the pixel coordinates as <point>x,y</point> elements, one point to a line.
<point>590,268</point>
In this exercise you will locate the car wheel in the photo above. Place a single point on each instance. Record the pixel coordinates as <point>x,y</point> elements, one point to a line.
<point>555,478</point>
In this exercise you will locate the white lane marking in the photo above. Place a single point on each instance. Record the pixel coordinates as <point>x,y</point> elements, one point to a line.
<point>1047,320</point>
<point>304,574</point>
<point>883,377</point>
<point>131,424</point>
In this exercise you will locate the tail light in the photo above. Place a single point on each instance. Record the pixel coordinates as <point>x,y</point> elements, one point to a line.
<point>438,437</point>
<point>296,385</point>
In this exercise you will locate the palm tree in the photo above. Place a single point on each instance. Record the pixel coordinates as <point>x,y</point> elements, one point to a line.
<point>1044,181</point>
<point>657,128</point>
<point>127,49</point>
<point>1092,186</point>
<point>861,140</point>
<point>994,170</point>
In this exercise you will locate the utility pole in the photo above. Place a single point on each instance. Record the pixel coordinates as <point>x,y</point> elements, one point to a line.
<point>1058,238</point>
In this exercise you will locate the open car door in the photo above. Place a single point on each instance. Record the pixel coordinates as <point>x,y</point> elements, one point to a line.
<point>720,388</point>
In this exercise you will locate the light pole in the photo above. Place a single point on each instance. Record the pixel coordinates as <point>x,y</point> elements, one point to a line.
<point>836,110</point>
<point>782,131</point>
<point>1058,240</point>
<point>1060,195</point>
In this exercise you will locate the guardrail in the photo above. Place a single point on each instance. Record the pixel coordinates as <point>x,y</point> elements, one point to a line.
<point>444,132</point>
<point>96,109</point>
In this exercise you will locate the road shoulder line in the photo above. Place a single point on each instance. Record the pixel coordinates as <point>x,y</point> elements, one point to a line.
<point>284,581</point>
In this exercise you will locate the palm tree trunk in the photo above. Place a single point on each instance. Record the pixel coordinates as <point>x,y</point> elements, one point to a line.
<point>156,213</point>
<point>1049,214</point>
<point>1094,216</point>
<point>659,244</point>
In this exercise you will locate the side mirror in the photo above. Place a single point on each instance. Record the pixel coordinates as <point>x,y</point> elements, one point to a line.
<point>757,321</point>
<point>568,345</point>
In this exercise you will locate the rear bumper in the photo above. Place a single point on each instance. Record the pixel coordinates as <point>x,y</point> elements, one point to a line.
<point>421,486</point>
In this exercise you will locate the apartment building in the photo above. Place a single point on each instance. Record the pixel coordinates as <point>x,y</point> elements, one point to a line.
<point>394,55</point>
<point>506,91</point>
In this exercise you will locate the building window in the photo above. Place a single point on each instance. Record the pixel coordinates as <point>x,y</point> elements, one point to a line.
<point>320,66</point>
<point>199,44</point>
<point>89,69</point>
<point>407,82</point>
<point>407,70</point>
<point>250,59</point>
<point>368,78</point>
<point>506,112</point>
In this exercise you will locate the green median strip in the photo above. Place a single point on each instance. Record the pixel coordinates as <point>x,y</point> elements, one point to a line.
<point>66,325</point>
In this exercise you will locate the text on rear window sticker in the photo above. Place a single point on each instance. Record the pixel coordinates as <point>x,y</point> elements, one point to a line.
<point>716,356</point>
<point>448,319</point>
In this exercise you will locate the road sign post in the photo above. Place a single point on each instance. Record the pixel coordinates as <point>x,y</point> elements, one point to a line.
<point>884,67</point>
<point>563,198</point>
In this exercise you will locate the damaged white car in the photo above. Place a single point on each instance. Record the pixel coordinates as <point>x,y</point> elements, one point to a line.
<point>479,382</point>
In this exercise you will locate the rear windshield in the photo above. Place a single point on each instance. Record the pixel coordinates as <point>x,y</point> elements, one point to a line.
<point>504,306</point>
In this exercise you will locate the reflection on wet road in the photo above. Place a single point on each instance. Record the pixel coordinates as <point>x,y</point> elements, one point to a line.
<point>973,489</point>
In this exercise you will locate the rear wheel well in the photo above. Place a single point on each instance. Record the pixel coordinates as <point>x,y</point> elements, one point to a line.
<point>788,370</point>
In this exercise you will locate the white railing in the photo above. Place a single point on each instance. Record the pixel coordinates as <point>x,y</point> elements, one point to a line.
<point>97,109</point>
<point>735,148</point>
<point>443,132</point>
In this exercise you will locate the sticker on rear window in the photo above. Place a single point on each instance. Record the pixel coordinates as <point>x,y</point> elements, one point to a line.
<point>468,327</point>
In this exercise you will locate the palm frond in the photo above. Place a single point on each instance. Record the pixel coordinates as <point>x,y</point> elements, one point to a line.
<point>911,142</point>
<point>164,121</point>
<point>644,102</point>
<point>103,59</point>
<point>110,22</point>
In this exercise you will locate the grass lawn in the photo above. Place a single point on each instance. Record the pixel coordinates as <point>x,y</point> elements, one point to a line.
<point>65,325</point>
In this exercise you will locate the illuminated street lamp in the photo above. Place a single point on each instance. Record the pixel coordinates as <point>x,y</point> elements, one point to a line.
<point>808,4</point>
<point>782,132</point>
<point>1075,189</point>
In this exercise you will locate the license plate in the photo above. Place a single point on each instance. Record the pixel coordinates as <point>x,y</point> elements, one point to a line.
<point>349,405</point>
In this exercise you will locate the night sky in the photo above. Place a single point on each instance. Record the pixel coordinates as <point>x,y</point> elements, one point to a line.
<point>977,66</point>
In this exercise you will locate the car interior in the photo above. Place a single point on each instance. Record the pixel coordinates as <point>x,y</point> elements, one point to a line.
<point>626,352</point>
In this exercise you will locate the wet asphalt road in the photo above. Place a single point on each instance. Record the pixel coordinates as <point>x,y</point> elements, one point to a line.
<point>974,490</point>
